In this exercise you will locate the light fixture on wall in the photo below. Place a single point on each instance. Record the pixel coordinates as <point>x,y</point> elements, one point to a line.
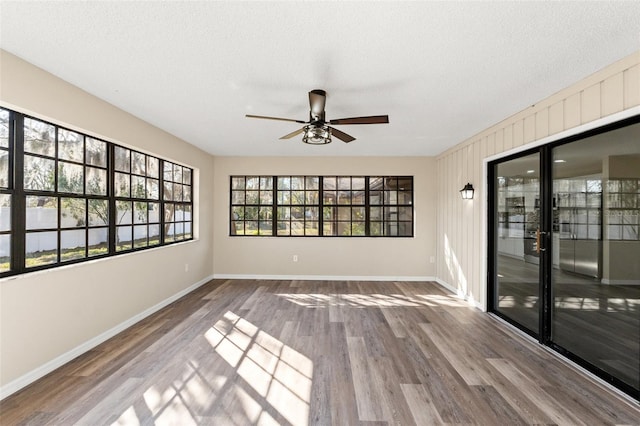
<point>467,192</point>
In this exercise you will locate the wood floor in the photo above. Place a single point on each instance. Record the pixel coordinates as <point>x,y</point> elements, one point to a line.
<point>248,352</point>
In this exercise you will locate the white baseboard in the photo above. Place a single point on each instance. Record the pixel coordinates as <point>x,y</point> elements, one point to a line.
<point>460,294</point>
<point>59,361</point>
<point>322,277</point>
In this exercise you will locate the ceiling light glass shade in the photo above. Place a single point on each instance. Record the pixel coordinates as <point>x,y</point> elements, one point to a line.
<point>314,135</point>
<point>467,192</point>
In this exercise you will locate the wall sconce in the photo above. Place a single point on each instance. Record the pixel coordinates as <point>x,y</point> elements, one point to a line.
<point>467,192</point>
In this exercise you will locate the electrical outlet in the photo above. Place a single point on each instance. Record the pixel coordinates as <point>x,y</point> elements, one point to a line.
<point>432,259</point>
<point>186,267</point>
<point>295,257</point>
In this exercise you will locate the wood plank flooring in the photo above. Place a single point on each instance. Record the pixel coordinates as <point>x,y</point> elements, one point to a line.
<point>249,352</point>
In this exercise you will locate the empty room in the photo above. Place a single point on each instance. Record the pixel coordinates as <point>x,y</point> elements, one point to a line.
<point>319,213</point>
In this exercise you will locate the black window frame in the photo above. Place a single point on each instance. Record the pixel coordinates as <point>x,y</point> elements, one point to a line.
<point>330,200</point>
<point>86,226</point>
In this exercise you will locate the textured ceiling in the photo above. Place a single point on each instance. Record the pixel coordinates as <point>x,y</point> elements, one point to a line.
<point>442,71</point>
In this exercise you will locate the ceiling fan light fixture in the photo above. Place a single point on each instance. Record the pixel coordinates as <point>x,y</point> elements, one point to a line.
<point>317,135</point>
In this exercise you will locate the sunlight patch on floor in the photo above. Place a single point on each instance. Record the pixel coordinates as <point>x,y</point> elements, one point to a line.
<point>280,375</point>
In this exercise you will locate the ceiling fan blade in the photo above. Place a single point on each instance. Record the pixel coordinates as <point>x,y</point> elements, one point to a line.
<point>275,118</point>
<point>317,100</point>
<point>374,119</point>
<point>342,135</point>
<point>292,134</point>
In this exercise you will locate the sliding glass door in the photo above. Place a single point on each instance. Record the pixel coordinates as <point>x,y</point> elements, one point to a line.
<point>565,248</point>
<point>517,221</point>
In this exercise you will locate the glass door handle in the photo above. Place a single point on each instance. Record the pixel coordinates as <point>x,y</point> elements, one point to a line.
<point>539,233</point>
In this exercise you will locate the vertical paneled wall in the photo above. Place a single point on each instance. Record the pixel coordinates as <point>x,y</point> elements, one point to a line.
<point>461,239</point>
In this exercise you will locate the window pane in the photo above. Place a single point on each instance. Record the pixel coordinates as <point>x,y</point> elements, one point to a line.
<point>297,182</point>
<point>169,212</point>
<point>70,146</point>
<point>153,167</point>
<point>344,183</point>
<point>252,197</point>
<point>168,171</point>
<point>4,128</point>
<point>177,173</point>
<point>122,159</point>
<point>72,244</point>
<point>41,248</point>
<point>70,177</point>
<point>122,185</point>
<point>329,183</point>
<point>404,197</point>
<point>5,212</point>
<point>266,183</point>
<point>375,183</point>
<point>96,152</point>
<point>41,212</point>
<point>237,182</point>
<point>140,236</point>
<point>98,241</point>
<point>266,227</point>
<point>357,228</point>
<point>73,212</point>
<point>96,181</point>
<point>124,214</point>
<point>138,163</point>
<point>178,214</point>
<point>168,191</point>
<point>4,169</point>
<point>251,228</point>
<point>330,197</point>
<point>140,212</point>
<point>186,193</point>
<point>237,197</point>
<point>237,228</point>
<point>152,189</point>
<point>187,230</point>
<point>357,184</point>
<point>39,173</point>
<point>5,253</point>
<point>154,235</point>
<point>179,230</point>
<point>39,137</point>
<point>98,212</point>
<point>404,213</point>
<point>375,228</point>
<point>154,212</point>
<point>177,192</point>
<point>312,182</point>
<point>404,229</point>
<point>138,187</point>
<point>169,233</point>
<point>311,228</point>
<point>124,238</point>
<point>284,183</point>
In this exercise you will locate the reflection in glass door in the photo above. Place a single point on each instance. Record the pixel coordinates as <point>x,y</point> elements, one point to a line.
<point>516,240</point>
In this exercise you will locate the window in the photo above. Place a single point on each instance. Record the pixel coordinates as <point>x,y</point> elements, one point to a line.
<point>6,189</point>
<point>77,197</point>
<point>380,206</point>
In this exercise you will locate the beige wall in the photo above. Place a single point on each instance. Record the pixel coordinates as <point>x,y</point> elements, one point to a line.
<point>47,314</point>
<point>327,256</point>
<point>461,240</point>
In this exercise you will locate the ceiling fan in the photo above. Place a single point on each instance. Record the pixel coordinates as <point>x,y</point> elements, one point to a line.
<point>317,130</point>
